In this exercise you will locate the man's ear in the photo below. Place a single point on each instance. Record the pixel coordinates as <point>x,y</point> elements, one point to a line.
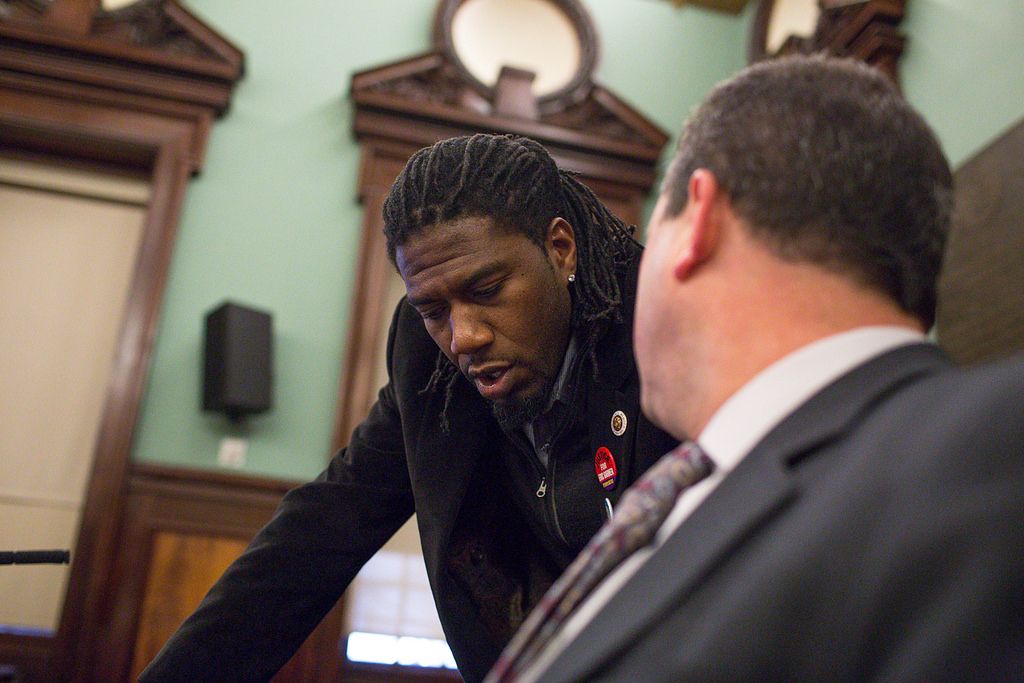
<point>703,229</point>
<point>561,245</point>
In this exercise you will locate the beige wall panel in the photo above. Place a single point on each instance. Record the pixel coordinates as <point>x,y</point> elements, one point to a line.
<point>66,262</point>
<point>65,265</point>
<point>32,595</point>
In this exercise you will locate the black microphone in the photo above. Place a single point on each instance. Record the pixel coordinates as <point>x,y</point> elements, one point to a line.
<point>35,557</point>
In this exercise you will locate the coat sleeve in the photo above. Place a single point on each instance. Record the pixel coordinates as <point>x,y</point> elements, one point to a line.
<point>269,600</point>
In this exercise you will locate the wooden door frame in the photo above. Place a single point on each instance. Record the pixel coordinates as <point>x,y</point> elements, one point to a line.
<point>59,130</point>
<point>131,91</point>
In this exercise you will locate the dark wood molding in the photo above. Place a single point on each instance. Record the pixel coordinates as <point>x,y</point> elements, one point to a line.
<point>200,504</point>
<point>420,100</point>
<point>380,163</point>
<point>119,90</point>
<point>62,128</point>
<point>70,16</point>
<point>177,500</point>
<point>426,88</point>
<point>153,57</point>
<point>866,30</point>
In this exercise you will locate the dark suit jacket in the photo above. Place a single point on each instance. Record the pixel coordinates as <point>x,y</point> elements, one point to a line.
<point>876,534</point>
<point>484,570</point>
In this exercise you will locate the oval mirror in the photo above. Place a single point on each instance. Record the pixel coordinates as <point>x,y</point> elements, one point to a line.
<point>555,39</point>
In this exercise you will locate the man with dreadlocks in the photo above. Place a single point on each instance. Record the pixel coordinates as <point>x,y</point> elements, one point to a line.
<point>510,423</point>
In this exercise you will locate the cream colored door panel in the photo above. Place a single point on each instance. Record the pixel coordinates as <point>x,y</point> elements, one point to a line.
<point>66,262</point>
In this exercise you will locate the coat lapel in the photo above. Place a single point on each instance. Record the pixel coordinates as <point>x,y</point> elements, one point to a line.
<point>676,568</point>
<point>609,395</point>
<point>638,444</point>
<point>447,461</point>
<point>759,488</point>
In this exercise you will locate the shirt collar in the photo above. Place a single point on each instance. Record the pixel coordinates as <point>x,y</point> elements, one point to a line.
<point>763,402</point>
<point>561,392</point>
<point>562,388</point>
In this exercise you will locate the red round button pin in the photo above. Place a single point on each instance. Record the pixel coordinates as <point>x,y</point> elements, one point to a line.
<point>604,466</point>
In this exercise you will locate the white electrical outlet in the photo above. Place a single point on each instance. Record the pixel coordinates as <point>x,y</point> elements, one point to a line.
<point>232,452</point>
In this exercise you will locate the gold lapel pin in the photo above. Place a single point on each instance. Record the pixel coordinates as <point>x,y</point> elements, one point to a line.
<point>618,423</point>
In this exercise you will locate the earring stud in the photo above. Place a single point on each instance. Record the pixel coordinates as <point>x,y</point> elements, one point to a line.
<point>572,277</point>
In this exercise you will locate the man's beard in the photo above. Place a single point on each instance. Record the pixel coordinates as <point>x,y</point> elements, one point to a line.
<point>514,412</point>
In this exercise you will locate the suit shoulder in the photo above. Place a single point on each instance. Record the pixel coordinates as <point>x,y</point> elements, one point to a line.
<point>994,382</point>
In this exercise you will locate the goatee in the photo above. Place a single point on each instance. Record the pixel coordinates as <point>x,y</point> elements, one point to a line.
<point>514,412</point>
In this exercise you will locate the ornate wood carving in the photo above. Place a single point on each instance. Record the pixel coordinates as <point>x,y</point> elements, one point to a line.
<point>863,29</point>
<point>153,56</point>
<point>132,90</point>
<point>420,100</point>
<point>428,87</point>
<point>189,507</point>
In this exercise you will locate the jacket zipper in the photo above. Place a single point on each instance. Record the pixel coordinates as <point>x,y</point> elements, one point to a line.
<point>554,506</point>
<point>548,479</point>
<point>547,482</point>
<point>552,460</point>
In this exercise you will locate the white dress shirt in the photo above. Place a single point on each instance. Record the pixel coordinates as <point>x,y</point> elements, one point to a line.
<point>732,432</point>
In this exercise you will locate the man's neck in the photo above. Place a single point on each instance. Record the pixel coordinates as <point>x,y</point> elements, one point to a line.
<point>802,305</point>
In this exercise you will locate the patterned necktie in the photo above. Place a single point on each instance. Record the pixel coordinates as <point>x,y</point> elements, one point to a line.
<point>640,513</point>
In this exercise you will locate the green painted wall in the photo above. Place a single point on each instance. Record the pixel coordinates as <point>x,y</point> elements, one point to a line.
<point>964,69</point>
<point>272,222</point>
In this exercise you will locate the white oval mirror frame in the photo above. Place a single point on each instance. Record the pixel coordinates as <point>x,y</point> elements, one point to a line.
<point>534,35</point>
<point>554,39</point>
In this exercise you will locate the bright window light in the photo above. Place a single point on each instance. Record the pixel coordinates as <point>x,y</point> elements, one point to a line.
<point>378,648</point>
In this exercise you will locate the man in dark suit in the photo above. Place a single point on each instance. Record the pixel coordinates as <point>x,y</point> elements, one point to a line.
<point>865,517</point>
<point>511,388</point>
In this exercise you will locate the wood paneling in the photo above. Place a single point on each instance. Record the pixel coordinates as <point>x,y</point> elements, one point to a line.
<point>170,512</point>
<point>981,290</point>
<point>182,568</point>
<point>182,529</point>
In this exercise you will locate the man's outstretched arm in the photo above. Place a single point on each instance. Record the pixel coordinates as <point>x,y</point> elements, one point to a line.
<point>269,600</point>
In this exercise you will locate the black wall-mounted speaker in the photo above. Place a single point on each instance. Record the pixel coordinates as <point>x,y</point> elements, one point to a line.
<point>237,364</point>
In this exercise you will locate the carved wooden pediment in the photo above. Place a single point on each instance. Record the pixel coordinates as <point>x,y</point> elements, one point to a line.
<point>864,29</point>
<point>435,82</point>
<point>429,89</point>
<point>152,55</point>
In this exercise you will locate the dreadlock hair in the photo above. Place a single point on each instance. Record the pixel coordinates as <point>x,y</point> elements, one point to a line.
<point>515,182</point>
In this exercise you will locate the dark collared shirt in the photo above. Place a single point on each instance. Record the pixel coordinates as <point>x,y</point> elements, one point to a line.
<point>541,432</point>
